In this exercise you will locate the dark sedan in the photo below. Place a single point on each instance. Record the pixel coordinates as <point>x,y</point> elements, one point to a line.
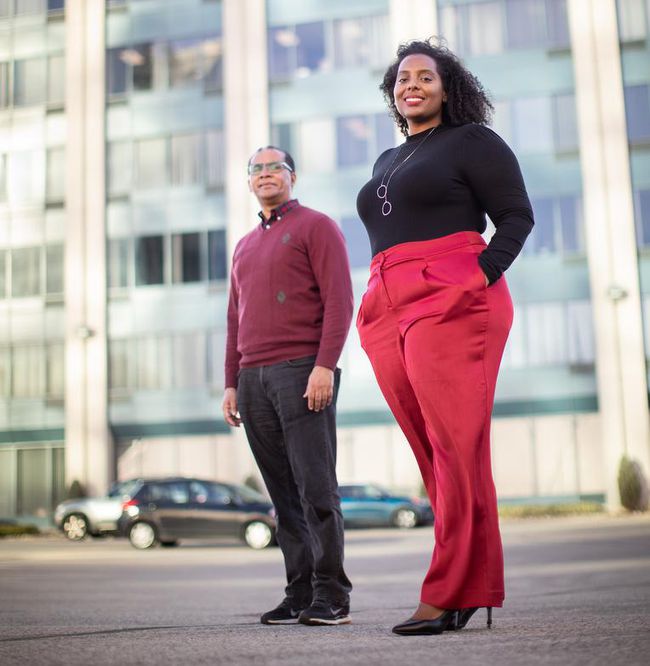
<point>167,510</point>
<point>370,505</point>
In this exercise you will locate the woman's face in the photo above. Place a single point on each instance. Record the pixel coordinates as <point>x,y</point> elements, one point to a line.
<point>418,92</point>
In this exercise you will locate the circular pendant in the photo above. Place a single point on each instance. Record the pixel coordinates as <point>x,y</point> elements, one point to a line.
<point>382,191</point>
<point>386,208</point>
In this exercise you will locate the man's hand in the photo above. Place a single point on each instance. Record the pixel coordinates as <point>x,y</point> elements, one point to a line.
<point>320,388</point>
<point>229,406</point>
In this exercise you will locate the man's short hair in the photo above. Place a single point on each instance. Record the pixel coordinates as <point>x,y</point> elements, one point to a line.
<point>287,156</point>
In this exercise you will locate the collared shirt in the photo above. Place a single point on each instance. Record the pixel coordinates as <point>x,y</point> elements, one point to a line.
<point>277,213</point>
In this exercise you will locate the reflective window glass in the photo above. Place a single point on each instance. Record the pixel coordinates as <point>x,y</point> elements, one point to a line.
<point>56,80</point>
<point>30,82</point>
<point>632,20</point>
<point>581,346</point>
<point>212,63</point>
<point>317,145</point>
<point>543,239</point>
<point>526,23</point>
<point>186,160</point>
<point>637,112</point>
<point>571,224</point>
<point>281,53</point>
<point>55,5</point>
<point>357,242</point>
<point>28,371</point>
<point>118,263</point>
<point>5,372</point>
<point>353,135</point>
<point>282,136</point>
<point>55,371</point>
<point>141,61</point>
<point>217,254</point>
<point>310,49</point>
<point>215,159</point>
<point>3,177</point>
<point>116,71</point>
<point>5,96</point>
<point>186,257</point>
<point>34,483</point>
<point>119,167</point>
<point>26,177</point>
<point>55,175</point>
<point>532,125</point>
<point>149,260</point>
<point>643,217</point>
<point>185,63</point>
<point>25,272</point>
<point>152,363</point>
<point>216,358</point>
<point>189,357</point>
<point>151,163</point>
<point>557,21</point>
<point>119,364</point>
<point>566,123</point>
<point>483,28</point>
<point>54,269</point>
<point>384,133</point>
<point>360,42</point>
<point>546,332</point>
<point>29,6</point>
<point>3,274</point>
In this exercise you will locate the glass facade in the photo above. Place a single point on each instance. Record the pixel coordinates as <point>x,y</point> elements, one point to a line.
<point>32,250</point>
<point>165,167</point>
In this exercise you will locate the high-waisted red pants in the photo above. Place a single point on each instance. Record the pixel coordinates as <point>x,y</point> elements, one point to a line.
<point>435,335</point>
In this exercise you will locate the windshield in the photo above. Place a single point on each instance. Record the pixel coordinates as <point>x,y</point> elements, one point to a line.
<point>247,494</point>
<point>123,488</point>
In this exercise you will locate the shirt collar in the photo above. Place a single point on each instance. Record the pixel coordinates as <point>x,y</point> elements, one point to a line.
<point>278,213</point>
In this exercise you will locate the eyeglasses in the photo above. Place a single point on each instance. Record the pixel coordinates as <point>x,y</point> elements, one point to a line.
<point>271,167</point>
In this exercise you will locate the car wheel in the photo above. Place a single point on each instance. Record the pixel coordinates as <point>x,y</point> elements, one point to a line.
<point>258,535</point>
<point>142,535</point>
<point>405,518</point>
<point>75,526</point>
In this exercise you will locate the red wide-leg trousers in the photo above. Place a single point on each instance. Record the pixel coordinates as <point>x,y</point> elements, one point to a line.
<point>435,335</point>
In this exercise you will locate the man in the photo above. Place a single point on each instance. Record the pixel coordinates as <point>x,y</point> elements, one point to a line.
<point>288,316</point>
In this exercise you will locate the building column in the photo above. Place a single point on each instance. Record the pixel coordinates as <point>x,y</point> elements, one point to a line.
<point>246,102</point>
<point>610,237</point>
<point>412,19</point>
<point>88,445</point>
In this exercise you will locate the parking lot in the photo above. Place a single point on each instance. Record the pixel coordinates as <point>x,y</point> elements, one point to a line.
<point>578,593</point>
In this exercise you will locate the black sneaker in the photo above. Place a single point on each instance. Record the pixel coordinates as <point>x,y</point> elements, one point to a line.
<point>283,614</point>
<point>320,613</point>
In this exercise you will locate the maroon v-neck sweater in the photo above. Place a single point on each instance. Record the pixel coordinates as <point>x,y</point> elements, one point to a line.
<point>290,293</point>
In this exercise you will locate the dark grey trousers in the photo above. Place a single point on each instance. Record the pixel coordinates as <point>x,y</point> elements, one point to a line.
<point>295,450</point>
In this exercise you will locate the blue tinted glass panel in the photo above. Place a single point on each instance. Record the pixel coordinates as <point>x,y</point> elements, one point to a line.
<point>217,254</point>
<point>643,217</point>
<point>310,51</point>
<point>357,242</point>
<point>543,237</point>
<point>149,260</point>
<point>281,48</point>
<point>637,112</point>
<point>352,140</point>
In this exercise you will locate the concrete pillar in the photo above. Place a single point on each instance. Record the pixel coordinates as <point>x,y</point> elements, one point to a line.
<point>610,237</point>
<point>412,19</point>
<point>246,102</point>
<point>88,453</point>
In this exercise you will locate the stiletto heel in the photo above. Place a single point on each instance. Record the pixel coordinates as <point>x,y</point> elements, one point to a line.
<point>464,615</point>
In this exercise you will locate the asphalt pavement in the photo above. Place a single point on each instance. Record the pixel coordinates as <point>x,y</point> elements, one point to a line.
<point>578,592</point>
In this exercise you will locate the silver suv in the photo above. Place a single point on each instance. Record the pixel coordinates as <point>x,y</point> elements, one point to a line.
<point>77,518</point>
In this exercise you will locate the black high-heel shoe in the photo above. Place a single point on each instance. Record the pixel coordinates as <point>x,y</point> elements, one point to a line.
<point>464,614</point>
<point>413,627</point>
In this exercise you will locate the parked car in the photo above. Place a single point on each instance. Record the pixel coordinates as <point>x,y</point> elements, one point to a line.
<point>94,516</point>
<point>167,510</point>
<point>370,505</point>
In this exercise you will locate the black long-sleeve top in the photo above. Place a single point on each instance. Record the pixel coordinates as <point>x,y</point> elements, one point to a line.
<point>456,176</point>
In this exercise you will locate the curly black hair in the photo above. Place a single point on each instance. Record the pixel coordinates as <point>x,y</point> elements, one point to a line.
<point>467,100</point>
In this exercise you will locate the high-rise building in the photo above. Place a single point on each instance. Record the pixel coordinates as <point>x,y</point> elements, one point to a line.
<point>125,128</point>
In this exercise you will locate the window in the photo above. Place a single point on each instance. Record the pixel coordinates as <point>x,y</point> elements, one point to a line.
<point>185,66</point>
<point>5,372</point>
<point>118,263</point>
<point>3,177</point>
<point>56,80</point>
<point>118,365</point>
<point>361,42</point>
<point>281,53</point>
<point>483,28</point>
<point>310,48</point>
<point>282,136</point>
<point>217,254</point>
<point>25,272</point>
<point>153,363</point>
<point>26,177</point>
<point>3,274</point>
<point>189,356</point>
<point>5,96</point>
<point>54,269</point>
<point>570,209</point>
<point>33,482</point>
<point>580,333</point>
<point>216,358</point>
<point>186,160</point>
<point>29,82</point>
<point>141,62</point>
<point>317,146</point>
<point>29,6</point>
<point>136,67</point>
<point>357,242</point>
<point>637,112</point>
<point>55,5</point>
<point>384,133</point>
<point>215,159</point>
<point>543,240</point>
<point>532,125</point>
<point>353,134</point>
<point>212,61</point>
<point>170,493</point>
<point>119,167</point>
<point>151,163</point>
<point>28,371</point>
<point>526,24</point>
<point>631,20</point>
<point>557,22</point>
<point>149,260</point>
<point>186,257</point>
<point>55,175</point>
<point>55,371</point>
<point>643,216</point>
<point>116,72</point>
<point>565,122</point>
<point>546,332</point>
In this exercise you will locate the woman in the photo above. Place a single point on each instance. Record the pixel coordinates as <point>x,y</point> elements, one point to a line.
<point>437,312</point>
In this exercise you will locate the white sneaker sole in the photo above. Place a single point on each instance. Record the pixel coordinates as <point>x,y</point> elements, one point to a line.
<point>315,622</point>
<point>292,621</point>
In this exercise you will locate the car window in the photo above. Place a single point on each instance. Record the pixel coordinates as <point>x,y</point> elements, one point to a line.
<point>354,492</point>
<point>246,494</point>
<point>123,488</point>
<point>220,494</point>
<point>175,492</point>
<point>372,492</point>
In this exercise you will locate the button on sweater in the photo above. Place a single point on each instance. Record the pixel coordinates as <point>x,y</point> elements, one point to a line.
<point>290,293</point>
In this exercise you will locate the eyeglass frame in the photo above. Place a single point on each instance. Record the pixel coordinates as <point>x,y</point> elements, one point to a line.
<point>262,165</point>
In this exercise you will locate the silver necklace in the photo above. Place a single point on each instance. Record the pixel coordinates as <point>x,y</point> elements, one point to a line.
<point>382,190</point>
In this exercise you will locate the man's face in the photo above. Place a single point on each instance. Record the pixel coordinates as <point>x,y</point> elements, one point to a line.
<point>271,187</point>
